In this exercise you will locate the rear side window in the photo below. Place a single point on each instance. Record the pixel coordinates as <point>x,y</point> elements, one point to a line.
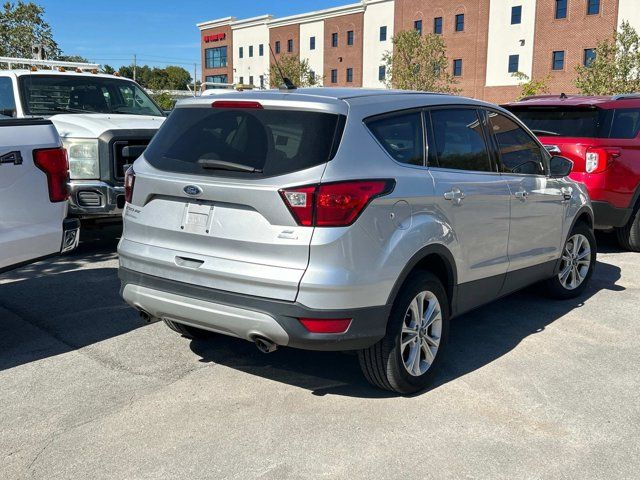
<point>458,140</point>
<point>401,136</point>
<point>7,98</point>
<point>270,142</point>
<point>626,123</point>
<point>519,153</point>
<point>566,121</point>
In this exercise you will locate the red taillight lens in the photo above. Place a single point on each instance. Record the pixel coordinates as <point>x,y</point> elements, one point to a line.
<point>236,104</point>
<point>129,183</point>
<point>326,325</point>
<point>53,162</point>
<point>333,204</point>
<point>598,159</point>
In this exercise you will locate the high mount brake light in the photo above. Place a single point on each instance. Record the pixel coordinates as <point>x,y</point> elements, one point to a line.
<point>333,204</point>
<point>236,104</point>
<point>598,159</point>
<point>129,183</point>
<point>53,162</point>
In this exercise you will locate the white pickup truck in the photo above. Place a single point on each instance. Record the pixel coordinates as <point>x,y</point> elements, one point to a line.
<point>33,193</point>
<point>105,123</point>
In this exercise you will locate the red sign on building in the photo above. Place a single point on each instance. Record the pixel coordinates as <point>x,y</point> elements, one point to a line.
<point>215,37</point>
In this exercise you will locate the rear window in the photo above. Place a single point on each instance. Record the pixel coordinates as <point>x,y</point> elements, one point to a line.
<point>566,122</point>
<point>244,142</point>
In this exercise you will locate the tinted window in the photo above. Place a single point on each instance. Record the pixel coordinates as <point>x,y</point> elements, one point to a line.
<point>514,61</point>
<point>593,7</point>
<point>457,67</point>
<point>561,8</point>
<point>458,140</point>
<point>401,136</point>
<point>565,121</point>
<point>7,99</point>
<point>382,72</point>
<point>417,25</point>
<point>273,141</point>
<point>334,39</point>
<point>516,15</point>
<point>383,34</point>
<point>460,22</point>
<point>558,60</point>
<point>215,57</point>
<point>589,56</point>
<point>625,123</point>
<point>350,37</point>
<point>437,25</point>
<point>312,43</point>
<point>519,153</point>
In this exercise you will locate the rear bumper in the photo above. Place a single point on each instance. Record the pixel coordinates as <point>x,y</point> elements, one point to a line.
<point>606,215</point>
<point>246,316</point>
<point>91,199</point>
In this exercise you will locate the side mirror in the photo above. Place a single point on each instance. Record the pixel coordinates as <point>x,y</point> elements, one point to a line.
<point>560,167</point>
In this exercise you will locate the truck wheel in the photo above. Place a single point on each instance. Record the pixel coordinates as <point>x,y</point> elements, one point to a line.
<point>187,330</point>
<point>576,266</point>
<point>417,331</point>
<point>629,235</point>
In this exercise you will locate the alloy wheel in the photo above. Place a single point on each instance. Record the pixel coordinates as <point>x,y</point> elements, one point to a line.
<point>421,332</point>
<point>576,261</point>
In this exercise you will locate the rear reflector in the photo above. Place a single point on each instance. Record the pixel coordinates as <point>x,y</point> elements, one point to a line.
<point>236,104</point>
<point>53,162</point>
<point>326,325</point>
<point>333,204</point>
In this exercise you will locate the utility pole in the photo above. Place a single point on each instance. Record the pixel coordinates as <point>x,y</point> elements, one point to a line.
<point>134,67</point>
<point>195,83</point>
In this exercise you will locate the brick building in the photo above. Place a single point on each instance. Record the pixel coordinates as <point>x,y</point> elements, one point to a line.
<point>487,40</point>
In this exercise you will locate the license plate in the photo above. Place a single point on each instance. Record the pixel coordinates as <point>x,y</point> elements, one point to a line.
<point>197,218</point>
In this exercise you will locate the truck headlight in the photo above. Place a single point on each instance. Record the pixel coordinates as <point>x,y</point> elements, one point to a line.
<point>83,158</point>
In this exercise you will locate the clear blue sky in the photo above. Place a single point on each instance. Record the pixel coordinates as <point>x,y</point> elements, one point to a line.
<point>159,32</point>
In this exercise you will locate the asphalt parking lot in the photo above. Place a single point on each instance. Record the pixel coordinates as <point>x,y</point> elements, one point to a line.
<point>531,388</point>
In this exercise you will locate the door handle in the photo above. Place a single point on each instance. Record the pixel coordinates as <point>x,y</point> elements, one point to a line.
<point>12,157</point>
<point>567,193</point>
<point>455,195</point>
<point>521,195</point>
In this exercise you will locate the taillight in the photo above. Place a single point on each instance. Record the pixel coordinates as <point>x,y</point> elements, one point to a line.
<point>236,104</point>
<point>333,204</point>
<point>129,183</point>
<point>598,159</point>
<point>53,162</point>
<point>326,325</point>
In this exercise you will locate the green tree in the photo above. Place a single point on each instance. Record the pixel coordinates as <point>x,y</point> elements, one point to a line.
<point>296,70</point>
<point>616,67</point>
<point>177,78</point>
<point>108,69</point>
<point>419,62</point>
<point>164,100</point>
<point>531,87</point>
<point>72,58</point>
<point>22,25</point>
<point>154,78</point>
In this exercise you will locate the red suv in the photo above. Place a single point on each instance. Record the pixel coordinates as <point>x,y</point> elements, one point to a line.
<point>601,136</point>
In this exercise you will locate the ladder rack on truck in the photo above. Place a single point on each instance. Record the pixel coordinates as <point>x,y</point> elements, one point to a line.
<point>11,61</point>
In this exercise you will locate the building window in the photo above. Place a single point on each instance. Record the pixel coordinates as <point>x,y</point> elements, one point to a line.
<point>350,37</point>
<point>460,22</point>
<point>383,34</point>
<point>561,9</point>
<point>312,75</point>
<point>290,45</point>
<point>215,57</point>
<point>334,39</point>
<point>437,25</point>
<point>514,61</point>
<point>278,46</point>
<point>516,15</point>
<point>334,76</point>
<point>417,25</point>
<point>251,80</point>
<point>241,52</point>
<point>216,79</point>
<point>589,56</point>
<point>593,7</point>
<point>261,50</point>
<point>558,60</point>
<point>312,43</point>
<point>382,72</point>
<point>457,67</point>
<point>251,50</point>
<point>261,81</point>
<point>349,75</point>
<point>241,80</point>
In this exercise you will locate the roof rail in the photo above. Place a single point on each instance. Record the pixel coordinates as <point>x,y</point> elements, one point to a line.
<point>531,97</point>
<point>48,63</point>
<point>625,96</point>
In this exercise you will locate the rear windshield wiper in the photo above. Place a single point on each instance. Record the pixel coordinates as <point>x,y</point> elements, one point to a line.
<point>212,164</point>
<point>545,132</point>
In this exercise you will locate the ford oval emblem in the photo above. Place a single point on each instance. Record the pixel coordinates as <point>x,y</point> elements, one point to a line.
<point>192,190</point>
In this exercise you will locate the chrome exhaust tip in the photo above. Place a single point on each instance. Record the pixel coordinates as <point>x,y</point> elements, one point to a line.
<point>265,345</point>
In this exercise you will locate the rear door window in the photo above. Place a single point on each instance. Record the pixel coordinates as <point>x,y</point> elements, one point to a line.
<point>241,142</point>
<point>401,135</point>
<point>626,123</point>
<point>458,140</point>
<point>7,98</point>
<point>518,152</point>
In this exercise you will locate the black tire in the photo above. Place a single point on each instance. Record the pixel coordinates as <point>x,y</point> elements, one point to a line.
<point>382,363</point>
<point>188,331</point>
<point>554,286</point>
<point>629,235</point>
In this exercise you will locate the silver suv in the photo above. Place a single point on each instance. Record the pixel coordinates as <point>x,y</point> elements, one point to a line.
<point>340,219</point>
